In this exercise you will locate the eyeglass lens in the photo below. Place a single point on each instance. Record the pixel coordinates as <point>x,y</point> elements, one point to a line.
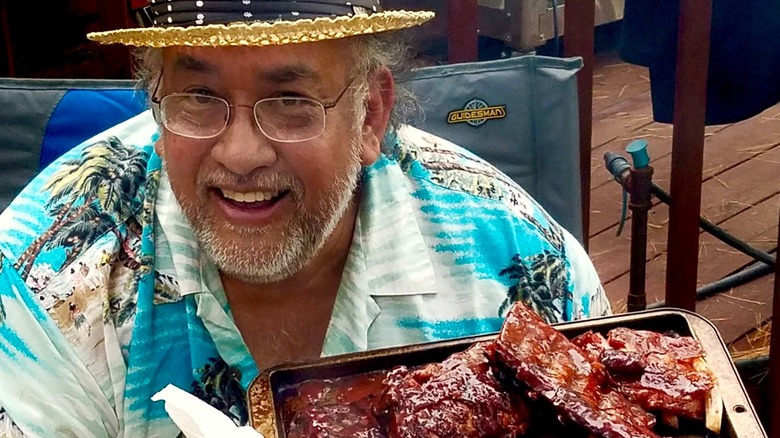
<point>285,119</point>
<point>290,119</point>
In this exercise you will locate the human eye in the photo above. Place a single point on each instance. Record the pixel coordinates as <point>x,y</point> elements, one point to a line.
<point>192,109</point>
<point>290,101</point>
<point>200,97</point>
<point>296,103</point>
<point>203,99</point>
<point>289,104</point>
<point>289,114</point>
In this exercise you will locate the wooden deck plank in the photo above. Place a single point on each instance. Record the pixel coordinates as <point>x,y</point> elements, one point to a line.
<point>731,194</point>
<point>740,186</point>
<point>621,118</point>
<point>614,81</point>
<point>610,254</point>
<point>717,259</point>
<point>725,149</point>
<point>741,193</point>
<point>738,312</point>
<point>723,196</point>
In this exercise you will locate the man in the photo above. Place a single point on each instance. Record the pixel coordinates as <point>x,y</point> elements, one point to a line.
<point>270,212</point>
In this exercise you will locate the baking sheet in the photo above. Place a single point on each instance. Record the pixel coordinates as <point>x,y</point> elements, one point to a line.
<point>267,391</point>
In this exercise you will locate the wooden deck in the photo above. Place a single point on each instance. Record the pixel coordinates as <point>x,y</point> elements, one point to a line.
<point>740,193</point>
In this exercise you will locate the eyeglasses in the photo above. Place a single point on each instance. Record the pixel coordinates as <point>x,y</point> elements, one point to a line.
<point>283,119</point>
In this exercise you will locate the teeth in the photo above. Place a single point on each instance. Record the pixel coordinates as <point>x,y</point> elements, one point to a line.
<point>249,196</point>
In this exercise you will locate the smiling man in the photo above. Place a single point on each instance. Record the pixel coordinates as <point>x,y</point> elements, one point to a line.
<point>272,207</point>
<point>265,166</point>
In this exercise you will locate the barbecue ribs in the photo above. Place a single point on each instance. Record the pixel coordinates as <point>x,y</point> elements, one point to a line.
<point>535,355</point>
<point>662,373</point>
<point>459,397</point>
<point>339,408</point>
<point>530,380</point>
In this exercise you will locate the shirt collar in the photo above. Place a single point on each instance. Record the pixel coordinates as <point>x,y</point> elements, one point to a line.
<point>388,258</point>
<point>178,255</point>
<point>397,258</point>
<point>177,251</point>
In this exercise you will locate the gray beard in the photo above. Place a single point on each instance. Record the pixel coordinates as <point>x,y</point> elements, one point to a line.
<point>301,240</point>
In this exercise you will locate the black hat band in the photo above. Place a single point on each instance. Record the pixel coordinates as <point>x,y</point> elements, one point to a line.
<point>165,13</point>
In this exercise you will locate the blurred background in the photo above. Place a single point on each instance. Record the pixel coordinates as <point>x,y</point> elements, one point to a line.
<point>46,38</point>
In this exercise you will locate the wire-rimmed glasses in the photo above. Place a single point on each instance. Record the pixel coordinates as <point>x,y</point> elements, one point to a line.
<point>287,119</point>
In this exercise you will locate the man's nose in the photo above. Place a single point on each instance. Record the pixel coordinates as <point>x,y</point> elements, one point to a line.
<point>242,148</point>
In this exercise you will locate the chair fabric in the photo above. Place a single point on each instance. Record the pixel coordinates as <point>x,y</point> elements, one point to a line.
<point>520,114</point>
<point>43,118</point>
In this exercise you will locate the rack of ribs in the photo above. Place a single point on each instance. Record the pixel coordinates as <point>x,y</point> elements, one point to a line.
<point>339,408</point>
<point>536,356</point>
<point>529,381</point>
<point>663,374</point>
<point>459,397</point>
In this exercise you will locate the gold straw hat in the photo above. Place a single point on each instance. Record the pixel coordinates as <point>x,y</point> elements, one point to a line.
<point>218,23</point>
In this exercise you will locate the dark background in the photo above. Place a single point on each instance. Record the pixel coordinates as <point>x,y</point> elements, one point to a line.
<point>47,38</point>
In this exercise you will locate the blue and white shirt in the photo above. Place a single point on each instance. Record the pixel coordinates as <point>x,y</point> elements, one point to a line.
<point>106,298</point>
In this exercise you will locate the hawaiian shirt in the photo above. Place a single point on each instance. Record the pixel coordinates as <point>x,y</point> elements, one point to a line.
<point>106,298</point>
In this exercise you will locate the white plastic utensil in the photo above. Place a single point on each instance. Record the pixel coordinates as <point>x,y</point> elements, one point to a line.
<point>197,419</point>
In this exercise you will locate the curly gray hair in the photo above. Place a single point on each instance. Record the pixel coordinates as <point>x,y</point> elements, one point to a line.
<point>370,53</point>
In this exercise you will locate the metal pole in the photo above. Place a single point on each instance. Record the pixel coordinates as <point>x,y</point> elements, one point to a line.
<point>693,48</point>
<point>462,40</point>
<point>774,352</point>
<point>641,203</point>
<point>579,24</point>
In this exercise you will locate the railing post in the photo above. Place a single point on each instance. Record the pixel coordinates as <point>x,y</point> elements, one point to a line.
<point>115,14</point>
<point>693,53</point>
<point>462,28</point>
<point>579,24</point>
<point>774,352</point>
<point>8,47</point>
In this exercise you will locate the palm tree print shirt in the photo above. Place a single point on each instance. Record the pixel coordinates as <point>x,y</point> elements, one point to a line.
<point>105,297</point>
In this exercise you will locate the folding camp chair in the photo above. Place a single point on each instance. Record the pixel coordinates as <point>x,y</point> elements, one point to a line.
<point>521,115</point>
<point>43,118</point>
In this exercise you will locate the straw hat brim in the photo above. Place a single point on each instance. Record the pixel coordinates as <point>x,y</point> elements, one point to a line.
<point>264,33</point>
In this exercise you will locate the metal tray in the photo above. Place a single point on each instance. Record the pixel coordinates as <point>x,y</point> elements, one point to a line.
<point>266,393</point>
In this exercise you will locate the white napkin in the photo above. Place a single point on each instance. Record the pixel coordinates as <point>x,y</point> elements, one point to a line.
<point>197,419</point>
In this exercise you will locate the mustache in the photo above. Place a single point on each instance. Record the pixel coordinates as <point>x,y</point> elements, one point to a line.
<point>215,177</point>
<point>261,180</point>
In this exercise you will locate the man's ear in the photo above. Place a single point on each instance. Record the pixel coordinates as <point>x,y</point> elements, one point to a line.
<point>381,97</point>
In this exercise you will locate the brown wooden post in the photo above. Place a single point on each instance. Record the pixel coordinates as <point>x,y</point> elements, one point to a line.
<point>579,28</point>
<point>462,28</point>
<point>693,49</point>
<point>115,14</point>
<point>774,351</point>
<point>8,47</point>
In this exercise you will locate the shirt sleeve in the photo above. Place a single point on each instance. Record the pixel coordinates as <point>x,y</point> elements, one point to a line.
<point>588,298</point>
<point>49,385</point>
